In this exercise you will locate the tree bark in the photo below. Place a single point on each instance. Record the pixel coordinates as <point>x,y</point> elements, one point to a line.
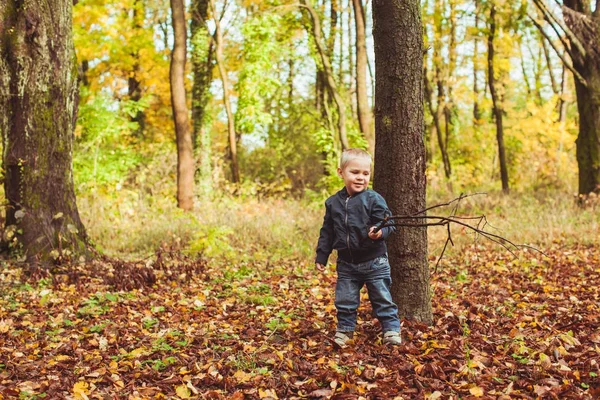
<point>365,118</point>
<point>39,102</point>
<point>235,169</point>
<point>185,150</point>
<point>497,102</point>
<point>328,71</point>
<point>399,147</point>
<point>202,55</point>
<point>586,25</point>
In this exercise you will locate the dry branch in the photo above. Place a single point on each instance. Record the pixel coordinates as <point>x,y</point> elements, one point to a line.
<point>415,220</point>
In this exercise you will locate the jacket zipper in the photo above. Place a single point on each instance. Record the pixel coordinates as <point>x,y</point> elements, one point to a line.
<point>348,231</point>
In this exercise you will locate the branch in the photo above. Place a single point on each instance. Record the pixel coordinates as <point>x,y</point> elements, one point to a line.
<point>415,221</point>
<point>565,62</point>
<point>458,199</point>
<point>552,20</point>
<point>562,39</point>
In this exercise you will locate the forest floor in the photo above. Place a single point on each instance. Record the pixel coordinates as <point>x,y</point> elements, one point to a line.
<point>503,328</point>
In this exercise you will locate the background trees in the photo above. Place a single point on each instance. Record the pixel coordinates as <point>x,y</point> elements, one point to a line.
<point>299,84</point>
<point>299,81</point>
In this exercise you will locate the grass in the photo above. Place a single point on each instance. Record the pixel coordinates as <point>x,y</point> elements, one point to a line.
<point>274,229</point>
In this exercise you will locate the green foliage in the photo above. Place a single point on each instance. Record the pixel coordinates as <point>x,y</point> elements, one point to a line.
<point>212,241</point>
<point>103,148</point>
<point>258,79</point>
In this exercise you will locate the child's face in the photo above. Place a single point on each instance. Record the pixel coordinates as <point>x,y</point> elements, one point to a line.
<point>356,175</point>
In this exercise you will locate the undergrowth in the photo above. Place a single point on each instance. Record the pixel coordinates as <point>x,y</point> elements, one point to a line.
<point>129,225</point>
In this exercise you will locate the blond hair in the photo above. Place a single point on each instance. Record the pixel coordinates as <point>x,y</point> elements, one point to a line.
<point>351,154</point>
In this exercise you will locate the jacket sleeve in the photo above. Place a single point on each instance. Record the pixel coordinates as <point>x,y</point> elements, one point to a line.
<point>325,244</point>
<point>379,211</point>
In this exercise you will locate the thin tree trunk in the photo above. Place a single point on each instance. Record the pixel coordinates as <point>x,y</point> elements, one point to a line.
<point>329,79</point>
<point>39,102</point>
<point>399,150</point>
<point>134,86</point>
<point>553,82</point>
<point>185,150</point>
<point>562,105</point>
<point>202,57</point>
<point>496,102</point>
<point>352,63</point>
<point>235,169</point>
<point>476,111</point>
<point>85,66</point>
<point>365,118</point>
<point>442,69</point>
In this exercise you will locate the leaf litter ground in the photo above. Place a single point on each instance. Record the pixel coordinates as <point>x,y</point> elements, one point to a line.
<point>503,329</point>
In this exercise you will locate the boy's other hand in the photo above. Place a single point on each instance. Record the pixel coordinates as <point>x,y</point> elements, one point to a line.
<point>374,235</point>
<point>320,267</point>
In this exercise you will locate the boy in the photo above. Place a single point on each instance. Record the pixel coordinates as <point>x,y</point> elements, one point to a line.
<point>348,227</point>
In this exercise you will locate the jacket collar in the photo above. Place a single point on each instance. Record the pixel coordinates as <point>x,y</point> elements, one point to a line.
<point>344,193</point>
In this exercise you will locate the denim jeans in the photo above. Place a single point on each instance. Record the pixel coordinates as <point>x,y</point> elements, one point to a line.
<point>351,278</point>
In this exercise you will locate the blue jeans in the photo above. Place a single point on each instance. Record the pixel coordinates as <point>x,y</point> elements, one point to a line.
<point>351,278</point>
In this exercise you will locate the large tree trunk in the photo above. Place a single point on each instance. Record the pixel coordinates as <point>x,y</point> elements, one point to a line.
<point>235,169</point>
<point>399,147</point>
<point>365,118</point>
<point>497,102</point>
<point>185,150</point>
<point>585,24</point>
<point>202,54</point>
<point>328,72</point>
<point>38,103</point>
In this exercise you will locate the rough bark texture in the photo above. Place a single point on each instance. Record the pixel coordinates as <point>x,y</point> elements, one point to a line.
<point>202,54</point>
<point>399,148</point>
<point>365,118</point>
<point>38,103</point>
<point>185,151</point>
<point>585,25</point>
<point>497,103</point>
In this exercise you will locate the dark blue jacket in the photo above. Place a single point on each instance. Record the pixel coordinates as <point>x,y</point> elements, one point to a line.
<point>346,227</point>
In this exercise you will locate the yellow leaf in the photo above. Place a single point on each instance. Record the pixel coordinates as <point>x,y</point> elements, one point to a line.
<point>183,391</point>
<point>242,377</point>
<point>476,391</point>
<point>81,390</point>
<point>267,394</point>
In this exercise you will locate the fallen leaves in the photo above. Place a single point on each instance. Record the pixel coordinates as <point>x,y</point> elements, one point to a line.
<point>205,330</point>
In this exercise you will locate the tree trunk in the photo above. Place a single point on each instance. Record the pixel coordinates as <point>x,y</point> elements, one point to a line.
<point>365,119</point>
<point>185,150</point>
<point>202,54</point>
<point>562,105</point>
<point>399,148</point>
<point>585,24</point>
<point>497,102</point>
<point>39,101</point>
<point>134,86</point>
<point>328,71</point>
<point>476,111</point>
<point>442,70</point>
<point>235,169</point>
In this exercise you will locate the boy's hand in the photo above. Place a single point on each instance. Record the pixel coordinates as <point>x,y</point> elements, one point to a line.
<point>373,235</point>
<point>320,267</point>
